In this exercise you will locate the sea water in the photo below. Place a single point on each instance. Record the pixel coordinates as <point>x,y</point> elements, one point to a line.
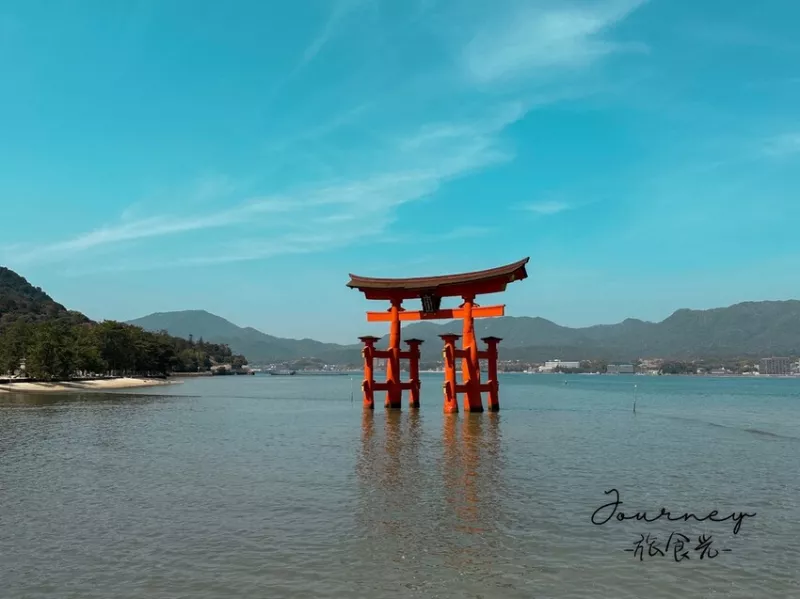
<point>282,487</point>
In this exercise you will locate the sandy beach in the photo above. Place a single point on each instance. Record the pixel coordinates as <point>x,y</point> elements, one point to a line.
<point>91,385</point>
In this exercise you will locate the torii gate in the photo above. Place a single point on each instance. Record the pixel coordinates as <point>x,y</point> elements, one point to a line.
<point>431,290</point>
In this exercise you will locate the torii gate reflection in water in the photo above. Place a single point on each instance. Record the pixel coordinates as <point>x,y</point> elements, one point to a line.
<point>431,290</point>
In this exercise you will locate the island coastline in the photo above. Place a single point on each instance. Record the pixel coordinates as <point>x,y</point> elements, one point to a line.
<point>100,384</point>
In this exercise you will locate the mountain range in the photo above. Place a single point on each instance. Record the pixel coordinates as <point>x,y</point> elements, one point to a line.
<point>745,330</point>
<point>750,329</point>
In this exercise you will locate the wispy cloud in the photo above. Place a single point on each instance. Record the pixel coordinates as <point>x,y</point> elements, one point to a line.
<point>785,144</point>
<point>434,135</point>
<point>457,234</point>
<point>316,132</point>
<point>558,36</point>
<point>281,245</point>
<point>319,217</point>
<point>379,176</point>
<point>341,9</point>
<point>331,28</point>
<point>213,187</point>
<point>133,230</point>
<point>548,207</point>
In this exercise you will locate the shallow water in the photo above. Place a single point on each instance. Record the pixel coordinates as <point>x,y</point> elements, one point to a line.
<point>281,487</point>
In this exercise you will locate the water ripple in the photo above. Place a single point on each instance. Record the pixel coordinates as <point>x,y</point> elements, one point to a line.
<point>271,487</point>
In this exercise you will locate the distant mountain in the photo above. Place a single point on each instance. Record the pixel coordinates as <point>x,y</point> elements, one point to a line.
<point>748,329</point>
<point>19,300</point>
<point>258,347</point>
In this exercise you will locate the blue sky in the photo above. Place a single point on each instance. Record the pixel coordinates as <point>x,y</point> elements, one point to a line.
<point>244,157</point>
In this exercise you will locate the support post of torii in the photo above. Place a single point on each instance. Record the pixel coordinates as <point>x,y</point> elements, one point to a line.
<point>414,355</point>
<point>431,290</point>
<point>394,396</point>
<point>493,385</point>
<point>450,382</point>
<point>470,367</point>
<point>367,386</point>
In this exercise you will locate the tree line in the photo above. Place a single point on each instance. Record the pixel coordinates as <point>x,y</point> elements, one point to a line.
<point>60,349</point>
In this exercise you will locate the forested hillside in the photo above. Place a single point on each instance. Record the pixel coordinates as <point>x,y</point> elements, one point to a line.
<point>19,300</point>
<point>55,343</point>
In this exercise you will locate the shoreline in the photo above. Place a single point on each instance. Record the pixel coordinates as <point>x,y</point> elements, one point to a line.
<point>85,385</point>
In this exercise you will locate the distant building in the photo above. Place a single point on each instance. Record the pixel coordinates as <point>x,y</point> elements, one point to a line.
<point>553,365</point>
<point>775,366</point>
<point>620,369</point>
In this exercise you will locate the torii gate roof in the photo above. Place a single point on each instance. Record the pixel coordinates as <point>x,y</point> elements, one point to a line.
<point>492,280</point>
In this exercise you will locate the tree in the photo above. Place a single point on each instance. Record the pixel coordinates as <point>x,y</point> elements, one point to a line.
<point>116,346</point>
<point>13,345</point>
<point>678,368</point>
<point>60,348</point>
<point>87,351</point>
<point>51,354</point>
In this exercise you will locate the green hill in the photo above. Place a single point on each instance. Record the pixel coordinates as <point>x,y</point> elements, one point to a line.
<point>19,300</point>
<point>257,346</point>
<point>56,343</point>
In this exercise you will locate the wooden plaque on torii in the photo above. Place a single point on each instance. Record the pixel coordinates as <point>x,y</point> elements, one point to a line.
<point>430,290</point>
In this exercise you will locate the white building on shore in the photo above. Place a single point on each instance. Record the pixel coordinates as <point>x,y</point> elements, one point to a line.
<point>775,365</point>
<point>553,365</point>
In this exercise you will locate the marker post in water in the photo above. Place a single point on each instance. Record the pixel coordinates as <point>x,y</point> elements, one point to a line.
<point>634,398</point>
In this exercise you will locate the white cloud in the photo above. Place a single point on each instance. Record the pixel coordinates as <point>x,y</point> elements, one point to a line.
<point>150,227</point>
<point>213,187</point>
<point>548,207</point>
<point>320,217</point>
<point>280,245</point>
<point>561,35</point>
<point>430,136</point>
<point>341,9</point>
<point>785,144</point>
<point>348,117</point>
<point>386,173</point>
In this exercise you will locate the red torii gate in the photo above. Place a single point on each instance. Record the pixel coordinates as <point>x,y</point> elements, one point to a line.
<point>431,290</point>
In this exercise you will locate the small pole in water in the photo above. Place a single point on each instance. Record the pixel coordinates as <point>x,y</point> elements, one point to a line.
<point>634,398</point>
<point>351,389</point>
